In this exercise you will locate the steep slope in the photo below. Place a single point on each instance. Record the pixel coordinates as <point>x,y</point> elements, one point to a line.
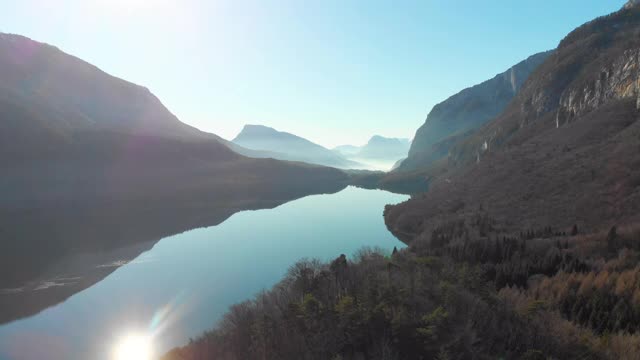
<point>81,96</point>
<point>286,146</point>
<point>564,151</point>
<point>467,110</point>
<point>92,163</point>
<point>40,72</point>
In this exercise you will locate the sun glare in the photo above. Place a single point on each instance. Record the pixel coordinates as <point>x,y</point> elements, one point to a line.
<point>133,347</point>
<point>130,7</point>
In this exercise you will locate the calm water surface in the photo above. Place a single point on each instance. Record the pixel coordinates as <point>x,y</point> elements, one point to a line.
<point>186,282</point>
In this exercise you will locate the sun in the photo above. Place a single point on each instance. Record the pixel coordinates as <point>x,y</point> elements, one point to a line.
<point>133,347</point>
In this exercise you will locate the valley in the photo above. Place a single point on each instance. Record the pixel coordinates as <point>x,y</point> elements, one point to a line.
<point>507,227</point>
<point>179,285</point>
<point>524,246</point>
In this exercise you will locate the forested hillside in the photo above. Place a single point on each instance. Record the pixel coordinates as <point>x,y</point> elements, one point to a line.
<point>525,246</point>
<point>469,292</point>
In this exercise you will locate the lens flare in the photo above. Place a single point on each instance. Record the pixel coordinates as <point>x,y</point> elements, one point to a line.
<point>138,345</point>
<point>133,347</point>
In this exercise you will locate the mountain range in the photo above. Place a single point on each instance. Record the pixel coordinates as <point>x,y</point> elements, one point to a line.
<point>268,142</point>
<point>286,146</point>
<point>347,150</point>
<point>525,244</point>
<point>378,147</point>
<point>91,162</point>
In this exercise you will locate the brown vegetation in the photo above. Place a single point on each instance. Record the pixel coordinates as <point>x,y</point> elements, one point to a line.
<point>469,290</point>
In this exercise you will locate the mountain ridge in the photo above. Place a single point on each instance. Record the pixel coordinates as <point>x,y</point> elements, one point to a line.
<point>376,147</point>
<point>92,162</point>
<point>465,111</point>
<point>287,146</point>
<point>561,153</point>
<point>380,147</point>
<point>42,71</point>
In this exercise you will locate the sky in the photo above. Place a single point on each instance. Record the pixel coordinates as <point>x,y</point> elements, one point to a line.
<point>333,71</point>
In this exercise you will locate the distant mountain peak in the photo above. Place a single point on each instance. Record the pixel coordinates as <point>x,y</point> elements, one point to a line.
<point>380,138</point>
<point>263,133</point>
<point>380,147</point>
<point>286,146</point>
<point>252,131</point>
<point>258,128</point>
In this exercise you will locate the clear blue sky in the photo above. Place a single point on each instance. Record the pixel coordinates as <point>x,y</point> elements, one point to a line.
<point>333,71</point>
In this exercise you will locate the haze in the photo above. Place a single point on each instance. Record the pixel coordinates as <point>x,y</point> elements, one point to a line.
<point>311,68</point>
<point>286,180</point>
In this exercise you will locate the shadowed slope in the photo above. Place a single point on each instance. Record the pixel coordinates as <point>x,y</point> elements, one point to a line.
<point>563,152</point>
<point>465,111</point>
<point>91,163</point>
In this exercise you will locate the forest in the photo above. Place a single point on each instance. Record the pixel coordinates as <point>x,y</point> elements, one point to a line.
<point>468,291</point>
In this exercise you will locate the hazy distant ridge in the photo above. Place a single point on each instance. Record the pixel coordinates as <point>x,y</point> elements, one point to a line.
<point>287,146</point>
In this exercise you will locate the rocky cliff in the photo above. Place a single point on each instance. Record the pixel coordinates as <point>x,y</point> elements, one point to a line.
<point>631,3</point>
<point>467,110</point>
<point>594,65</point>
<point>618,80</point>
<point>564,151</point>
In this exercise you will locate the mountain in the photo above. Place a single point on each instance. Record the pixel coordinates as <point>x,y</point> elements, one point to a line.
<point>347,150</point>
<point>525,245</point>
<point>631,3</point>
<point>286,146</point>
<point>563,152</point>
<point>379,147</point>
<point>78,96</point>
<point>379,154</point>
<point>545,198</point>
<point>86,97</point>
<point>467,110</point>
<point>92,163</point>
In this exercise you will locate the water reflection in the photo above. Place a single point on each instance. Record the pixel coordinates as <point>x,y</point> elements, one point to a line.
<point>66,276</point>
<point>186,282</point>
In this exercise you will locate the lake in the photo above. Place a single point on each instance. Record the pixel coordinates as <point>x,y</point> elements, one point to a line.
<point>186,282</point>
